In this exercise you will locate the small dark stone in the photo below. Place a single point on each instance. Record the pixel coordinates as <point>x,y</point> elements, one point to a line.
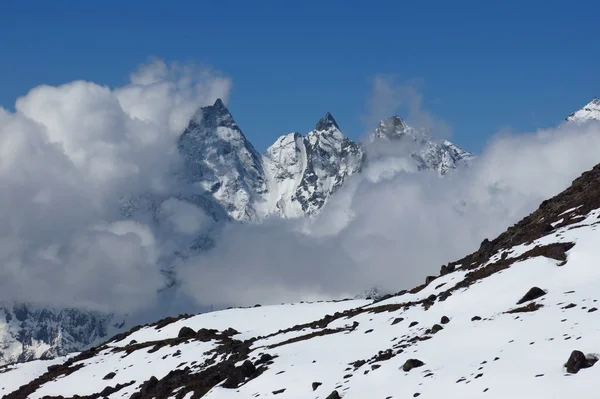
<point>375,366</point>
<point>569,306</point>
<point>533,293</point>
<point>578,361</point>
<point>397,320</point>
<point>444,270</point>
<point>591,310</point>
<point>431,298</point>
<point>277,392</point>
<point>347,376</point>
<point>265,357</point>
<point>445,320</point>
<point>257,305</point>
<point>496,358</point>
<point>416,394</point>
<point>444,295</point>
<point>429,279</point>
<point>315,385</point>
<point>414,323</point>
<point>479,375</point>
<point>539,375</point>
<point>132,342</point>
<point>369,331</point>
<point>334,395</point>
<point>475,318</point>
<point>109,376</point>
<point>411,364</point>
<point>186,332</point>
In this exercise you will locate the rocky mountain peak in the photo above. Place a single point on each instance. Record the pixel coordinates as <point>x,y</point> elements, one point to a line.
<point>327,122</point>
<point>391,128</point>
<point>212,116</point>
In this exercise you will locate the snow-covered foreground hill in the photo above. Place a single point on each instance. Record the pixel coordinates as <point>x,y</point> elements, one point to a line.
<point>516,319</point>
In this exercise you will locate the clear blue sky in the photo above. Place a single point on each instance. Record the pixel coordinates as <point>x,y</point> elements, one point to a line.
<point>485,65</point>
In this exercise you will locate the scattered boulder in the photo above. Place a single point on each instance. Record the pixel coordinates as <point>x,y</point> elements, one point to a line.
<point>411,364</point>
<point>334,395</point>
<point>414,323</point>
<point>578,361</point>
<point>239,374</point>
<point>533,293</point>
<point>186,332</point>
<point>436,328</point>
<point>148,385</point>
<point>429,279</point>
<point>591,310</point>
<point>444,295</point>
<point>397,320</point>
<point>277,392</point>
<point>264,358</point>
<point>444,270</point>
<point>315,385</point>
<point>445,320</point>
<point>475,318</point>
<point>257,305</point>
<point>109,376</point>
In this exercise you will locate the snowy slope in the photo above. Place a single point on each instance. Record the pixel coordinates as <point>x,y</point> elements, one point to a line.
<point>502,322</point>
<point>590,112</point>
<point>427,153</point>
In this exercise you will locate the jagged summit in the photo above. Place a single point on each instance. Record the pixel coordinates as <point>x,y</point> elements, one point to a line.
<point>427,152</point>
<point>590,112</point>
<point>391,128</point>
<point>327,122</point>
<point>212,116</point>
<point>221,162</point>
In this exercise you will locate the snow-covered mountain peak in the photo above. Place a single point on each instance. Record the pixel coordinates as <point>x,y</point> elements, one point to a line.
<point>327,123</point>
<point>391,128</point>
<point>590,112</point>
<point>427,152</point>
<point>221,162</point>
<point>303,172</point>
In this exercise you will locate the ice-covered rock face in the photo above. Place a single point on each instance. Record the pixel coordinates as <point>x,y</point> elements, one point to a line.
<point>303,172</point>
<point>590,112</point>
<point>220,161</point>
<point>27,332</point>
<point>428,153</point>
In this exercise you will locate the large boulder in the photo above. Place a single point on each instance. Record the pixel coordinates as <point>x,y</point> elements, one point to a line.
<point>578,361</point>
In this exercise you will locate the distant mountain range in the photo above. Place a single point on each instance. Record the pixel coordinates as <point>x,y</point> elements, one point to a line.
<point>229,180</point>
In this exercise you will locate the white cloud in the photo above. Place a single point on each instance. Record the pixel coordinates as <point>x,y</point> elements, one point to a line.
<point>67,154</point>
<point>388,97</point>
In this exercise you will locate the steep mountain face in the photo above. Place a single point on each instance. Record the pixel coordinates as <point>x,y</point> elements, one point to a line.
<point>220,161</point>
<point>427,152</point>
<point>28,332</point>
<point>518,318</point>
<point>590,112</point>
<point>305,171</point>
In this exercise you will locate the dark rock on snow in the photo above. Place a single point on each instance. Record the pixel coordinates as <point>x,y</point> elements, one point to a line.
<point>533,293</point>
